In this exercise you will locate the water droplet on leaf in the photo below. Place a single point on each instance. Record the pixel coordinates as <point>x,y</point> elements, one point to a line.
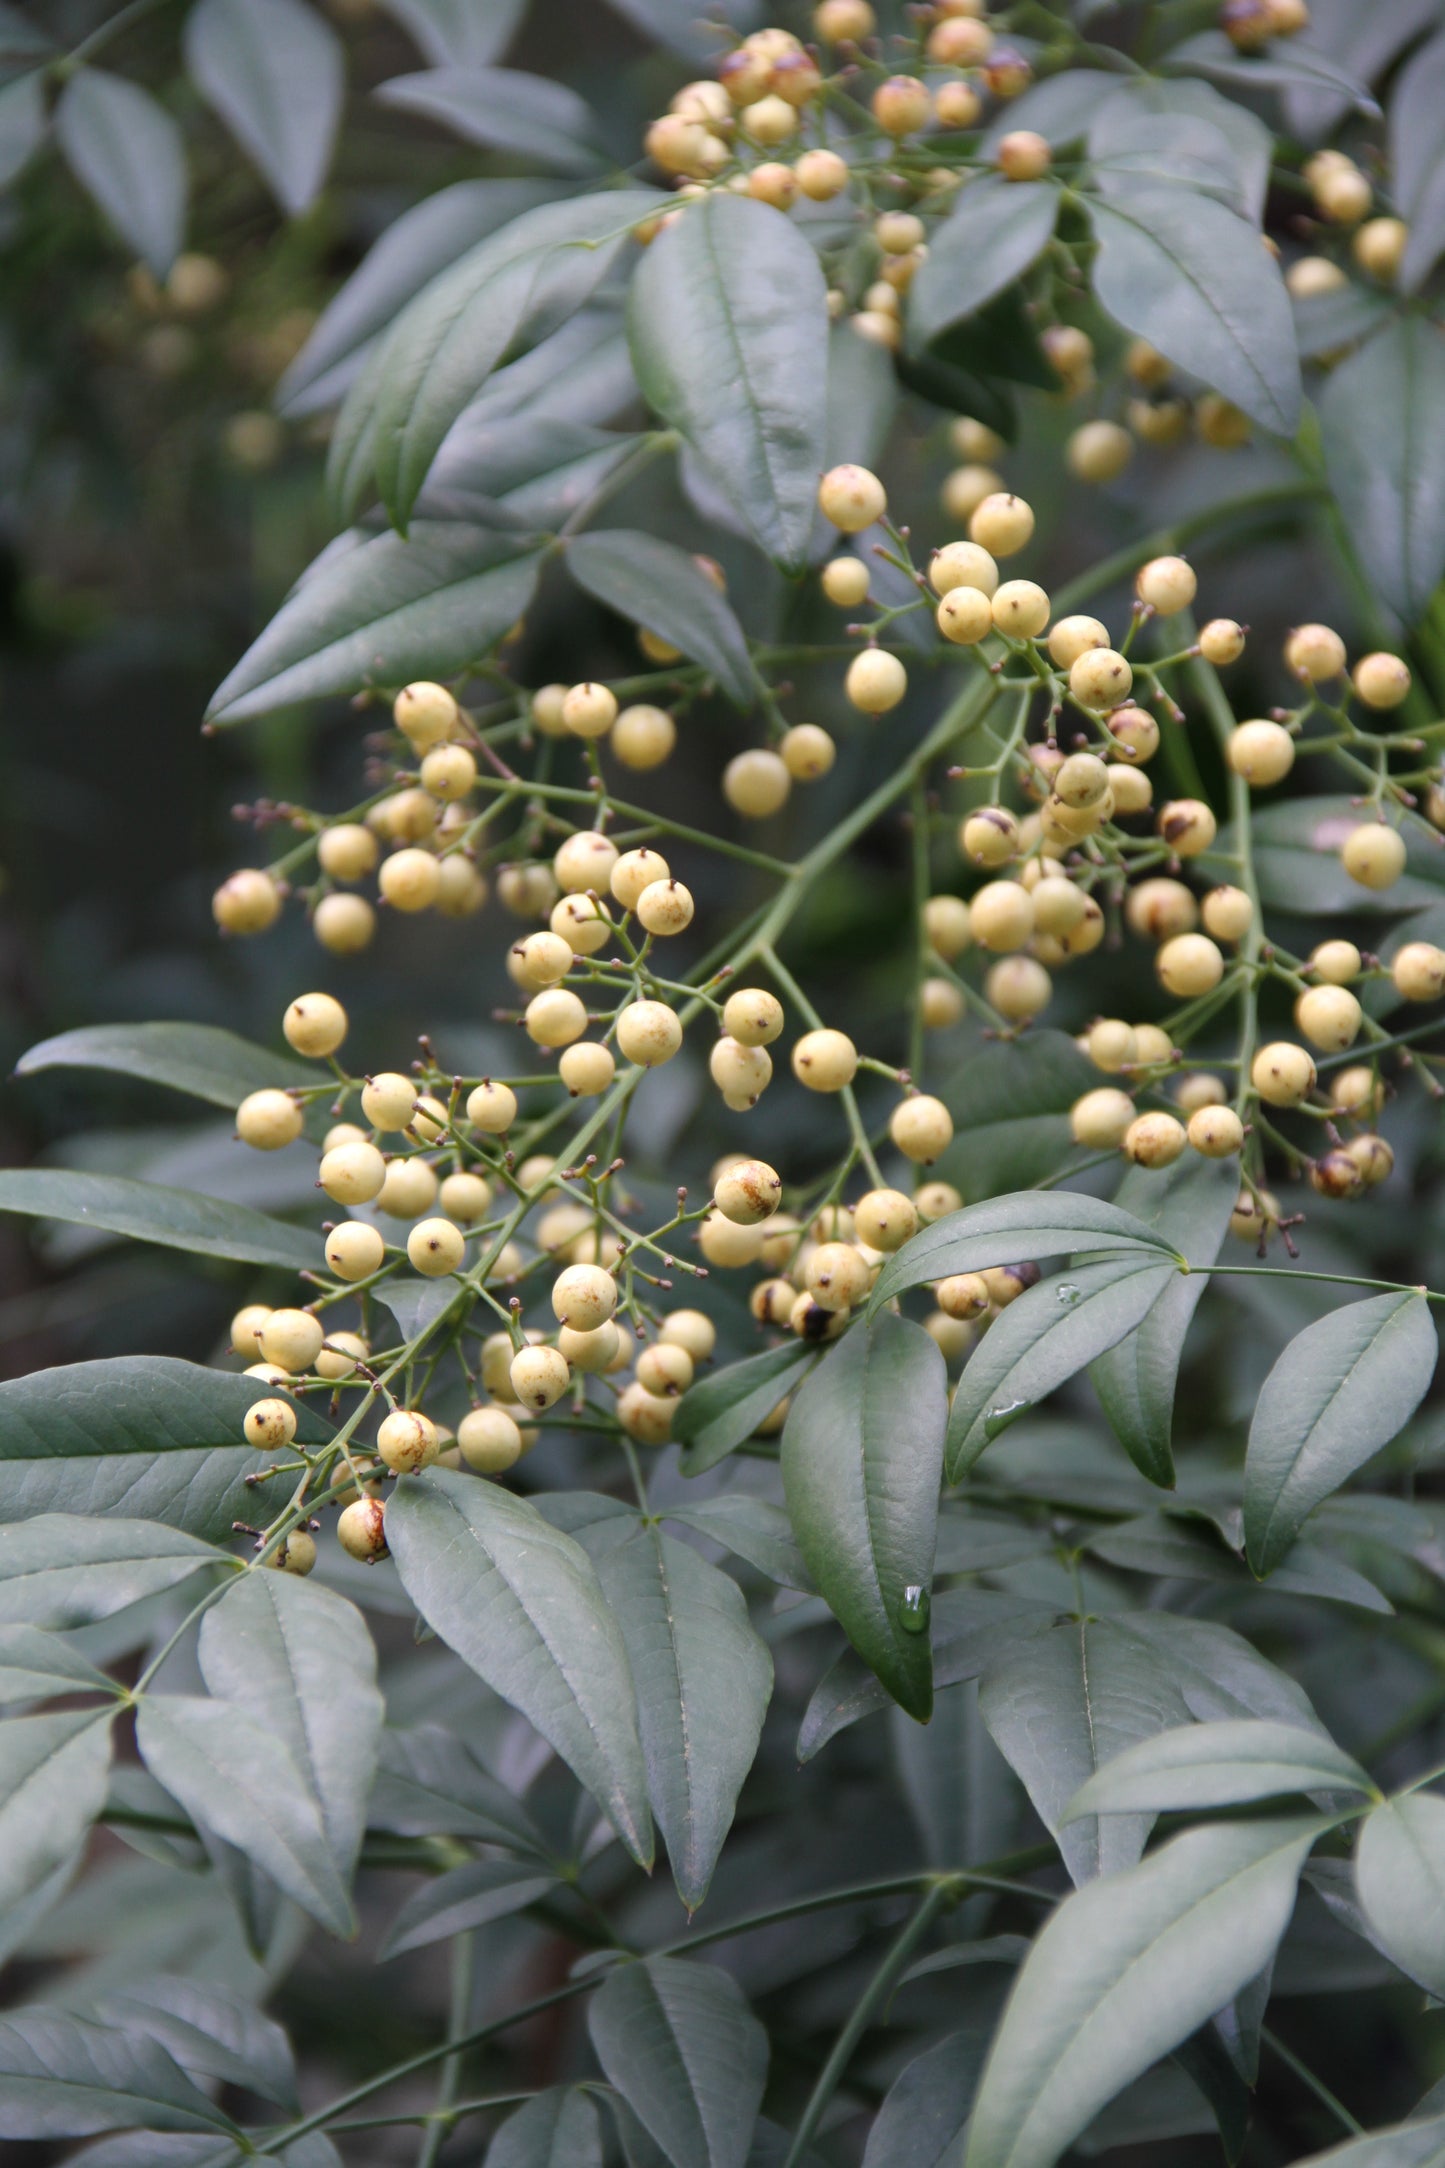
<point>999,1418</point>
<point>914,1610</point>
<point>1067,1293</point>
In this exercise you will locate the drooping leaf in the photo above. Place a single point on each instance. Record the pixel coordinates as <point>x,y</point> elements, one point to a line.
<point>1217,1765</point>
<point>1189,1204</point>
<point>177,1219</point>
<point>466,1898</point>
<point>1292,65</point>
<point>53,1771</point>
<point>126,152</point>
<point>36,1666</point>
<point>703,1681</point>
<point>237,1779</point>
<point>212,2031</point>
<point>521,1603</point>
<point>144,1435</point>
<point>685,2052</point>
<point>728,322</point>
<point>273,70</point>
<point>300,1661</point>
<point>1194,280</point>
<point>63,1570</point>
<point>1060,1708</point>
<point>1013,1230</point>
<point>1124,1971</point>
<point>661,588</point>
<point>503,109</point>
<point>1343,1388</point>
<point>1192,1550</point>
<point>1010,1105</point>
<point>459,33</point>
<point>199,1059</point>
<point>381,612</point>
<point>1400,1881</point>
<point>1382,419</point>
<point>997,230</point>
<point>559,2128</point>
<point>1054,1330</point>
<point>716,1414</point>
<point>63,2077</point>
<point>862,1453</point>
<point>22,123</point>
<point>429,1785</point>
<point>1417,160</point>
<point>415,249</point>
<point>752,1529</point>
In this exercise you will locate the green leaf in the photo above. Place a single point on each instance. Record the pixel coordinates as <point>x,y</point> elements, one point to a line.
<point>1297,862</point>
<point>1407,2145</point>
<point>924,2113</point>
<point>126,152</point>
<point>503,109</point>
<point>1053,1331</point>
<point>382,611</point>
<point>521,1603</point>
<point>985,245</point>
<point>728,322</point>
<point>415,249</point>
<point>714,1416</point>
<point>677,24</point>
<point>972,1628</point>
<point>469,1897</point>
<point>1187,104</point>
<point>1291,65</point>
<point>703,1681</point>
<point>751,1529</point>
<point>22,123</point>
<point>658,586</point>
<point>1060,1708</point>
<point>274,71</point>
<point>53,1773</point>
<point>1192,1550</point>
<point>145,1435</point>
<point>1343,1388</point>
<point>177,1219</point>
<point>1189,1205</point>
<point>1417,160</point>
<point>1059,108</point>
<point>1217,1765</point>
<point>559,2128</point>
<point>459,33</point>
<point>62,2077</point>
<point>1400,1881</point>
<point>210,2030</point>
<point>1197,283</point>
<point>199,1059</point>
<point>428,1785</point>
<point>236,1778</point>
<point>36,1666</point>
<point>1382,420</point>
<point>862,1452</point>
<point>1014,1230</point>
<point>1010,1105</point>
<point>62,1570</point>
<point>300,1661</point>
<point>687,2055</point>
<point>501,298</point>
<point>1327,325</point>
<point>1124,1971</point>
<point>1164,149</point>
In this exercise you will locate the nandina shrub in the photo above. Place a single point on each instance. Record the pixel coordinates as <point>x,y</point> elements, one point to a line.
<point>831,1519</point>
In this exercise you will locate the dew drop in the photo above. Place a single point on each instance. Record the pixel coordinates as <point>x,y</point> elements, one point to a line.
<point>999,1418</point>
<point>914,1610</point>
<point>1067,1293</point>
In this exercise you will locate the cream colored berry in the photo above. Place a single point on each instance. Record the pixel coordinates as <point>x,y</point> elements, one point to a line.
<point>1187,825</point>
<point>807,752</point>
<point>664,1370</point>
<point>1189,965</point>
<point>940,1004</point>
<point>825,1060</point>
<point>1374,855</point>
<point>756,784</point>
<point>435,1247</point>
<point>409,1190</point>
<point>1022,155</point>
<point>343,925</point>
<point>352,1173</point>
<point>527,891</point>
<point>489,1440</point>
<point>1019,987</point>
<point>583,923</point>
<point>387,1099</point>
<point>649,1033</point>
<point>409,880</point>
<point>355,1250</point>
<point>1357,1091</point>
<point>723,1242</point>
<point>1020,609</point>
<point>921,1127</point>
<point>1002,524</point>
<point>539,1376</point>
<point>1335,963</point>
<point>583,1296</point>
<point>665,908</point>
<point>491,1108</point>
<point>935,1200</point>
<point>1418,970</point>
<point>741,1073</point>
<point>1221,641</point>
<point>589,710</point>
<point>1282,1074</point>
<point>587,1069</point>
<point>1112,1045</point>
<point>1001,916</point>
<point>845,582</point>
<point>1166,584</point>
<point>1071,637</point>
<point>540,959</point>
<point>1082,781</point>
<point>1262,752</point>
<point>465,1197</point>
<point>836,1276</point>
<point>347,852</point>
<point>1099,1120</point>
<point>689,1329</point>
<point>885,1219</point>
<point>449,772</point>
<point>1154,1140</point>
<point>585,861</point>
<point>963,1296</point>
<point>555,1017</point>
<point>245,1326</point>
<point>1099,451</point>
<point>635,871</point>
<point>749,1192</point>
<point>268,1120</point>
<point>752,1016</point>
<point>547,714</point>
<point>990,837</point>
<point>425,714</point>
<point>876,681</point>
<point>1381,681</point>
<point>410,816</point>
<point>1216,1132</point>
<point>645,1416</point>
<point>851,498</point>
<point>1315,653</point>
<point>248,902</point>
<point>963,565</point>
<point>1373,1157</point>
<point>1329,1017</point>
<point>946,925</point>
<point>965,615</point>
<point>965,489</point>
<point>1100,678</point>
<point>1059,907</point>
<point>1228,913</point>
<point>1159,907</point>
<point>292,1339</point>
<point>595,1350</point>
<point>406,1440</point>
<point>1131,792</point>
<point>361,1529</point>
<point>821,175</point>
<point>315,1024</point>
<point>643,736</point>
<point>269,1424</point>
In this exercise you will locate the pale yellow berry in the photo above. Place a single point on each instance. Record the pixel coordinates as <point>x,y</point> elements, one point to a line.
<point>1154,1140</point>
<point>1374,855</point>
<point>946,925</point>
<point>1262,752</point>
<point>1099,1120</point>
<point>1020,609</point>
<point>689,1329</point>
<point>409,1190</point>
<point>245,1327</point>
<point>449,773</point>
<point>665,908</point>
<point>583,923</point>
<point>807,752</point>
<point>876,681</point>
<point>749,1192</point>
<point>539,959</point>
<point>921,1127</point>
<point>962,564</point>
<point>940,1004</point>
<point>1315,653</point>
<point>990,837</point>
<point>756,784</point>
<point>492,1108</point>
<point>1100,678</point>
<point>1112,1045</point>
<point>825,1060</point>
<point>555,1017</point>
<point>489,1440</point>
<point>409,880</point>
<point>821,175</point>
<point>1216,1132</point>
<point>291,1338</point>
<point>352,1173</point>
<point>633,872</point>
<point>465,1197</point>
<point>1022,155</point>
<point>725,1243</point>
<point>1153,1047</point>
<point>1228,913</point>
<point>851,498</point>
<point>315,1024</point>
<point>1329,1017</point>
<point>1382,681</point>
<point>539,1376</point>
<point>435,1247</point>
<point>1002,524</point>
<point>361,1530</point>
<point>584,1297</point>
<point>1082,781</point>
<point>885,1219</point>
<point>1418,970</point>
<point>648,1033</point>
<point>1221,641</point>
<point>387,1099</point>
<point>643,736</point>
<point>901,105</point>
<point>845,582</point>
<point>836,1276</point>
<point>1189,965</point>
<point>1357,1091</point>
<point>1099,451</point>
<point>963,1296</point>
<point>664,1370</point>
<point>965,615</point>
<point>1335,963</point>
<point>354,1250</point>
<point>1131,791</point>
<point>935,1200</point>
<point>1282,1074</point>
<point>1019,987</point>
<point>527,891</point>
<point>425,714</point>
<point>406,1440</point>
<point>587,1069</point>
<point>269,1424</point>
<point>1071,637</point>
<point>1001,916</point>
<point>752,1016</point>
<point>248,902</point>
<point>965,489</point>
<point>1187,825</point>
<point>957,105</point>
<point>741,1073</point>
<point>343,924</point>
<point>347,852</point>
<point>268,1120</point>
<point>585,861</point>
<point>1159,907</point>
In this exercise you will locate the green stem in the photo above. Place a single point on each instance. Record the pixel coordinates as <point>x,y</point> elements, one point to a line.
<point>439,2124</point>
<point>1307,2077</point>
